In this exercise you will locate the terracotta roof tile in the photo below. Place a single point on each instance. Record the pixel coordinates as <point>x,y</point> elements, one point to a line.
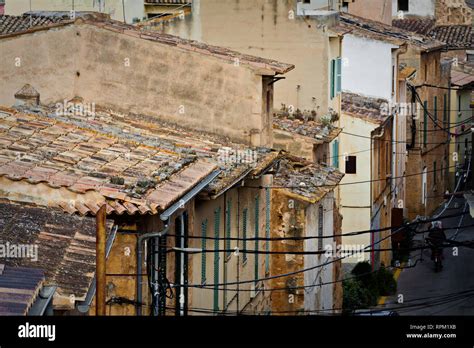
<point>306,179</point>
<point>313,130</point>
<point>364,107</point>
<point>354,25</point>
<point>66,245</point>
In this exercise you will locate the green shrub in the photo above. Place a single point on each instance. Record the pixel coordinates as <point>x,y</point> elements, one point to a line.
<point>385,282</point>
<point>365,288</point>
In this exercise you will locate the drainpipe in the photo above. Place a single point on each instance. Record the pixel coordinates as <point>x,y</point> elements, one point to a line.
<point>181,267</point>
<point>100,262</point>
<point>140,241</point>
<point>372,253</point>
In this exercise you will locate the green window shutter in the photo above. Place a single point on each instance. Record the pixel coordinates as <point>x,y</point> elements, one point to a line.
<point>203,247</point>
<point>445,108</point>
<point>244,234</point>
<point>425,122</point>
<point>217,220</point>
<point>257,230</point>
<point>333,73</point>
<point>436,108</point>
<point>335,154</point>
<point>338,75</point>
<point>228,226</point>
<point>267,229</point>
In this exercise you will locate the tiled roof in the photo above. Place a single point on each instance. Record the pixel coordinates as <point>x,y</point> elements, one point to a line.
<point>415,24</point>
<point>19,288</point>
<point>65,246</point>
<point>130,176</point>
<point>455,36</point>
<point>363,107</point>
<point>13,24</point>
<point>313,130</point>
<point>350,24</point>
<point>133,163</point>
<point>460,78</point>
<point>230,56</point>
<point>305,179</point>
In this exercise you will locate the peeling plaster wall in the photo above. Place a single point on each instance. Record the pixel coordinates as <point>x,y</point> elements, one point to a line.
<point>293,218</point>
<point>319,297</point>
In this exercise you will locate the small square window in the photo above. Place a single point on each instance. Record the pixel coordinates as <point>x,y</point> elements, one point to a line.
<point>351,165</point>
<point>403,5</point>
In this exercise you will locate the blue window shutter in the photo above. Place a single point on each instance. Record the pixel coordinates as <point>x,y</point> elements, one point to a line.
<point>217,220</point>
<point>335,154</point>
<point>203,247</point>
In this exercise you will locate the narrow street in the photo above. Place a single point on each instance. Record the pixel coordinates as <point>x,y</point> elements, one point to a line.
<point>424,291</point>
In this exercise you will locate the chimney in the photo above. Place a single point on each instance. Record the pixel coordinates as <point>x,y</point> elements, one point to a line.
<point>27,95</point>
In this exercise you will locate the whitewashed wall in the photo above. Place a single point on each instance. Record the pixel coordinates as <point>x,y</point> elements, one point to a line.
<point>424,8</point>
<point>366,67</point>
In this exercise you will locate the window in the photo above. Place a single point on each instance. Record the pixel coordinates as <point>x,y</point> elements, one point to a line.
<point>244,233</point>
<point>228,227</point>
<point>425,122</point>
<point>203,247</point>
<point>393,80</point>
<point>351,167</point>
<point>336,77</point>
<point>435,113</point>
<point>333,78</point>
<point>403,5</point>
<point>335,154</point>
<point>257,230</point>
<point>217,221</point>
<point>320,227</point>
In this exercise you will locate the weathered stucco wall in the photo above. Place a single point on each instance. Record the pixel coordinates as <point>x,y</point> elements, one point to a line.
<point>234,266</point>
<point>268,29</point>
<point>430,71</point>
<point>46,60</point>
<point>139,76</point>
